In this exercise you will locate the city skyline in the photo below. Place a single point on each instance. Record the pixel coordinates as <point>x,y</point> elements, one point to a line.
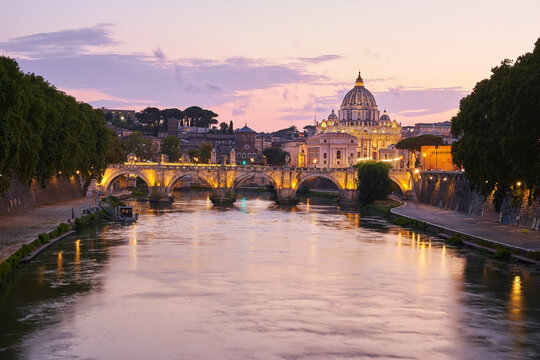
<point>270,65</point>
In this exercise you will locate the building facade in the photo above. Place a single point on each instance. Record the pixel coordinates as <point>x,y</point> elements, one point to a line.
<point>331,150</point>
<point>438,158</point>
<point>359,116</point>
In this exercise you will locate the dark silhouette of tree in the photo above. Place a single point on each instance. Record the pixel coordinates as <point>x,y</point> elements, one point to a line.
<point>415,143</point>
<point>498,128</point>
<point>275,156</point>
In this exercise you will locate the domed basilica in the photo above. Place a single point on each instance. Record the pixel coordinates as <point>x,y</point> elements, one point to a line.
<point>359,116</point>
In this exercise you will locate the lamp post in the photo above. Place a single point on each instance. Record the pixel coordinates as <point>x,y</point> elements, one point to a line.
<point>314,163</point>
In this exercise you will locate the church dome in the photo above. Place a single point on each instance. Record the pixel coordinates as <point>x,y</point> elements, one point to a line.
<point>333,116</point>
<point>359,95</point>
<point>385,117</point>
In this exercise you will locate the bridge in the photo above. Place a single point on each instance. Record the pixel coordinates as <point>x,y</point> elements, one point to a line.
<point>225,179</point>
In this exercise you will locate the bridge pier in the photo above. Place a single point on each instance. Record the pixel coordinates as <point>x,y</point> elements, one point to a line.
<point>223,196</point>
<point>160,194</point>
<point>348,198</point>
<point>286,196</point>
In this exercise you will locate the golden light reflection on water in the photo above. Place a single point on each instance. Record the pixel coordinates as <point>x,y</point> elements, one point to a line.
<point>133,249</point>
<point>59,263</point>
<point>516,301</point>
<point>77,258</point>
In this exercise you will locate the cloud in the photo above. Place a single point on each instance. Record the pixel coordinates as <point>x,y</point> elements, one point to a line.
<point>59,43</point>
<point>321,58</point>
<point>158,54</point>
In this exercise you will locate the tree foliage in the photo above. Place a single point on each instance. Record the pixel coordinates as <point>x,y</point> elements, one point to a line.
<point>45,133</point>
<point>373,181</point>
<point>205,152</point>
<point>142,147</point>
<point>289,133</point>
<point>415,143</point>
<point>275,156</point>
<point>170,147</point>
<point>498,128</point>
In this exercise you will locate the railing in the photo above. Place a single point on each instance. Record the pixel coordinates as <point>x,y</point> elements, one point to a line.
<point>190,166</point>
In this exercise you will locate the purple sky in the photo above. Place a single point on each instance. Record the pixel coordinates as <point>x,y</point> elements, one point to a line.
<point>271,65</point>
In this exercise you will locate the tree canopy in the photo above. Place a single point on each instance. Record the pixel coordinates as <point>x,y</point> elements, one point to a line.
<point>415,143</point>
<point>46,133</point>
<point>275,156</point>
<point>142,147</point>
<point>373,181</point>
<point>498,128</point>
<point>170,147</point>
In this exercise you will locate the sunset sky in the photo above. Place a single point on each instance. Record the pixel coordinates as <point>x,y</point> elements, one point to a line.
<point>271,64</point>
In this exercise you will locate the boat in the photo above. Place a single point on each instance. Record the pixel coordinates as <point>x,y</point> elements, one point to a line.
<point>125,214</point>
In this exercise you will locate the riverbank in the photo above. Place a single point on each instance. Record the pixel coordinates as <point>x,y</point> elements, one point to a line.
<point>504,240</point>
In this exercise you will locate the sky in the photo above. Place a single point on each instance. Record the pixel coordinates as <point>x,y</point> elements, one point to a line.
<point>270,64</point>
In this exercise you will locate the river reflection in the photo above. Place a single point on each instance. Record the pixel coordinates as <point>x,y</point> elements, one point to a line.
<point>256,281</point>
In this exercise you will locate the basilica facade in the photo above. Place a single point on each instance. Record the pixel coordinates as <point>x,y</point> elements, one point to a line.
<point>359,116</point>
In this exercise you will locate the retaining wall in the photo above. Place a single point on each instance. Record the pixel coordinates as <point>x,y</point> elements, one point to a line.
<point>21,195</point>
<point>450,190</point>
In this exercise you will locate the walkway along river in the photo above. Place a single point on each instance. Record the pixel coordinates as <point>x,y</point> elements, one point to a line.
<point>256,281</point>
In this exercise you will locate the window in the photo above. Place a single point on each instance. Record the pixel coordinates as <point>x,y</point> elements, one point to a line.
<point>325,141</point>
<point>247,146</point>
<point>324,162</point>
<point>324,155</point>
<point>338,155</point>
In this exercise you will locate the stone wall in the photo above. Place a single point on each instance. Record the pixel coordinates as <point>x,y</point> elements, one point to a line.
<point>20,195</point>
<point>450,190</point>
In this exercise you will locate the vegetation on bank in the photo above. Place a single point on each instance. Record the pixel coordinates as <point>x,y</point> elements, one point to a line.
<point>46,133</point>
<point>12,262</point>
<point>498,129</point>
<point>373,182</point>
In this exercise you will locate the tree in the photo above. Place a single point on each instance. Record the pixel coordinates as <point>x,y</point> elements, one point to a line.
<point>373,181</point>
<point>193,155</point>
<point>205,152</point>
<point>223,127</point>
<point>150,116</point>
<point>141,147</point>
<point>170,147</point>
<point>275,156</point>
<point>115,151</point>
<point>289,133</point>
<point>231,127</point>
<point>46,133</point>
<point>415,143</point>
<point>498,130</point>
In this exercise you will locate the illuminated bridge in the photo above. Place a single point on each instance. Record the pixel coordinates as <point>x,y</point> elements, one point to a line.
<point>225,179</point>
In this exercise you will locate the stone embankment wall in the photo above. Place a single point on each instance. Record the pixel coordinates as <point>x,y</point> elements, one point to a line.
<point>20,195</point>
<point>450,190</point>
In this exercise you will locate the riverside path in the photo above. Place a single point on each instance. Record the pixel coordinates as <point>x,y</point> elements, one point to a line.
<point>473,226</point>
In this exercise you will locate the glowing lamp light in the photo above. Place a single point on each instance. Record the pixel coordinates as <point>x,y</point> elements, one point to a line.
<point>78,172</point>
<point>518,183</point>
<point>424,154</point>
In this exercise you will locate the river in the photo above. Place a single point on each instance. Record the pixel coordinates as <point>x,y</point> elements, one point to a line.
<point>257,281</point>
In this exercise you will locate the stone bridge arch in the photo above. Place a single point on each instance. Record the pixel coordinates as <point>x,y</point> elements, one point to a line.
<point>112,174</point>
<point>243,177</point>
<point>307,177</point>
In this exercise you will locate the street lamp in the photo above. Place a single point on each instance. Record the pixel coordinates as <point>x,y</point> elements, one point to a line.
<point>251,159</point>
<point>314,162</point>
<point>196,159</point>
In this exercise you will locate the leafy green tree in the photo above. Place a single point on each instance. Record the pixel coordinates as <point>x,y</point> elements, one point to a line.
<point>373,181</point>
<point>205,152</point>
<point>289,133</point>
<point>142,147</point>
<point>170,147</point>
<point>150,116</point>
<point>231,128</point>
<point>115,151</point>
<point>275,156</point>
<point>498,129</point>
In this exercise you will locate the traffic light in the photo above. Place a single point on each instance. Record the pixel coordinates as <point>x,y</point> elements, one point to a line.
<point>243,162</point>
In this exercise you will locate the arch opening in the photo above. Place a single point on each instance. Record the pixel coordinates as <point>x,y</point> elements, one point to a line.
<point>253,181</point>
<point>396,189</point>
<point>318,189</point>
<point>127,181</point>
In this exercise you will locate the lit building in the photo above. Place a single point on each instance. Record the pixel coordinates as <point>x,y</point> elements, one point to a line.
<point>297,152</point>
<point>359,116</point>
<point>438,157</point>
<point>246,151</point>
<point>331,150</point>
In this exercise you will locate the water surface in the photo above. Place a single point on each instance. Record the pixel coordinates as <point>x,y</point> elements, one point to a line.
<point>256,281</point>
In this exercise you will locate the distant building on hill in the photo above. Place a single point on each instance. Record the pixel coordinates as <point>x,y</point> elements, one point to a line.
<point>359,116</point>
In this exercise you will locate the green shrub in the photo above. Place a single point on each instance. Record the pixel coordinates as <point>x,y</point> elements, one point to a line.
<point>43,238</point>
<point>454,241</point>
<point>62,228</point>
<point>535,255</point>
<point>503,254</point>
